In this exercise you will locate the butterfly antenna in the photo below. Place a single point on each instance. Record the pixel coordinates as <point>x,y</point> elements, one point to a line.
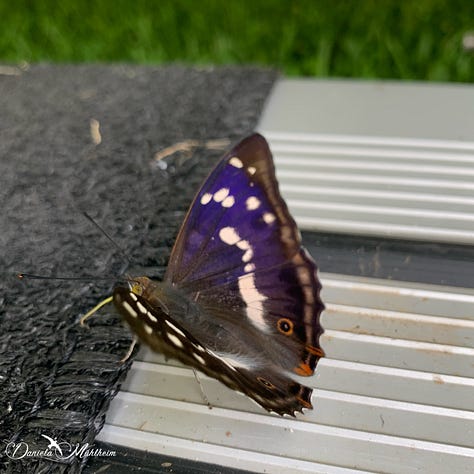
<point>32,276</point>
<point>108,237</point>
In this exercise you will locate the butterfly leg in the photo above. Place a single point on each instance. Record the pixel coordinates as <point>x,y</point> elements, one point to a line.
<point>204,396</point>
<point>130,350</point>
<point>94,310</point>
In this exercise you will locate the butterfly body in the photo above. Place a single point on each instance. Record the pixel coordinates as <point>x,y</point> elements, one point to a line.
<point>240,298</point>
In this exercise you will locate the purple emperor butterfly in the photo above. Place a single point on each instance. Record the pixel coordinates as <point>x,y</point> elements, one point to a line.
<point>240,298</point>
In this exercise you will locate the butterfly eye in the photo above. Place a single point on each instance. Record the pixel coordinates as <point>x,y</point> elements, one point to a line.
<point>137,288</point>
<point>285,326</point>
<point>266,383</point>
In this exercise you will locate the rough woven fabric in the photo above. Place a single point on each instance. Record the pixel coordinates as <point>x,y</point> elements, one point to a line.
<point>57,378</point>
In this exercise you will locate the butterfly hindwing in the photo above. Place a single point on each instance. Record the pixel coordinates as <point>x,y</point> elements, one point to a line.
<point>264,382</point>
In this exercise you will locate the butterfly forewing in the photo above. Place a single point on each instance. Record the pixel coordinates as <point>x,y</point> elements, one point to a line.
<point>237,211</point>
<point>239,264</point>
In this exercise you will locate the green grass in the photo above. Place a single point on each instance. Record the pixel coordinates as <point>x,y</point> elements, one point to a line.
<point>419,40</point>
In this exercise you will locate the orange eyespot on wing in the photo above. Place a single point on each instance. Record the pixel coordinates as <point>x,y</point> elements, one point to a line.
<point>285,326</point>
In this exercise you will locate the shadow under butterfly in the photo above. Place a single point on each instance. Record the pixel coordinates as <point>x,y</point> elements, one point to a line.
<point>240,297</point>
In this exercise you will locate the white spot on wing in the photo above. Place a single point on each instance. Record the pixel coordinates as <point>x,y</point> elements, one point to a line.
<point>199,358</point>
<point>141,307</point>
<point>243,245</point>
<point>175,340</point>
<point>268,217</point>
<point>229,201</point>
<point>252,203</point>
<point>250,267</point>
<point>206,198</point>
<point>175,329</point>
<point>247,256</point>
<point>151,317</point>
<point>129,309</point>
<point>229,236</point>
<point>133,296</point>
<point>251,170</point>
<point>254,300</point>
<point>148,329</point>
<point>236,162</point>
<point>221,194</point>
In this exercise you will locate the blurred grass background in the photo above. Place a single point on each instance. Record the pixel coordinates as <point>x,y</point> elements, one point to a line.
<point>416,40</point>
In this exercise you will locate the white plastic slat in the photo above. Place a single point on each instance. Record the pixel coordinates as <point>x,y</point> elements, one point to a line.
<point>404,151</point>
<point>381,230</point>
<point>387,404</point>
<point>409,200</point>
<point>379,183</point>
<point>442,359</point>
<point>372,166</point>
<point>429,300</point>
<point>407,385</point>
<point>386,214</point>
<point>410,326</point>
<point>401,114</point>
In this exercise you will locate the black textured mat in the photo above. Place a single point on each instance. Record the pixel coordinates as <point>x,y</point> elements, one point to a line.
<point>76,138</point>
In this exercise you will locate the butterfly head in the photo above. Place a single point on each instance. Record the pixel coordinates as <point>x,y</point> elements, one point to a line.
<point>145,289</point>
<point>138,285</point>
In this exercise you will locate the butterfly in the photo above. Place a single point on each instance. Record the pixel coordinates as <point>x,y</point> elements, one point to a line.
<point>240,297</point>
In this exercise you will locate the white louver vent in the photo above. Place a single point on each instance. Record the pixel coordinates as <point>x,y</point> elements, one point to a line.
<point>388,160</point>
<point>395,190</point>
<point>395,393</point>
